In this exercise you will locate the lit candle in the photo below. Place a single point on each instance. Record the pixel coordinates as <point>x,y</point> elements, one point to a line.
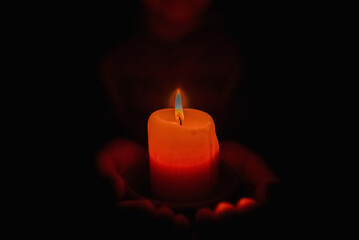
<point>183,151</point>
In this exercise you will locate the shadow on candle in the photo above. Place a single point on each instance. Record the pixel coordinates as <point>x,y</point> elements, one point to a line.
<point>229,185</point>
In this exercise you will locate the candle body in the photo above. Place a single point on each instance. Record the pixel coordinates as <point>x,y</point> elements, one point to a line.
<point>183,158</point>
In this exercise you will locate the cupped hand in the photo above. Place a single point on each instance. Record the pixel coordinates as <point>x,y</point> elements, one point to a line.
<point>120,155</point>
<point>249,166</point>
<point>113,161</point>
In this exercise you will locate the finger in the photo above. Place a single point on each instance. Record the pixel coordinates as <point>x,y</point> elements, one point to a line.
<point>223,207</point>
<point>181,221</point>
<point>232,154</point>
<point>164,213</point>
<point>107,168</point>
<point>225,210</point>
<point>205,215</point>
<point>138,205</point>
<point>245,162</point>
<point>120,187</point>
<point>125,154</point>
<point>247,204</point>
<point>106,164</point>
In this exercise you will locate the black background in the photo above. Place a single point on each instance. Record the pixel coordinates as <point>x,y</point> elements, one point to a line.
<point>273,41</point>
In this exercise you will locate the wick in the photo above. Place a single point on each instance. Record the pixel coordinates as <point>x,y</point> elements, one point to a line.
<point>180,121</point>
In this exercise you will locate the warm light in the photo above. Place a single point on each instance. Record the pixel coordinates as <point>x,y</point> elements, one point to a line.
<point>172,98</point>
<point>247,203</point>
<point>183,155</point>
<point>224,207</point>
<point>178,108</point>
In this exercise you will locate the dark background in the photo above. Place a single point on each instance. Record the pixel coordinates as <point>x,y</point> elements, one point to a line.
<point>273,47</point>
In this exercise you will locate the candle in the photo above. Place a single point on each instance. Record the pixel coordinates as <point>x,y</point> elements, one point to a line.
<point>183,151</point>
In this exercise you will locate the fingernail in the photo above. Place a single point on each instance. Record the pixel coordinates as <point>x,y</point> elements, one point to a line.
<point>223,207</point>
<point>246,204</point>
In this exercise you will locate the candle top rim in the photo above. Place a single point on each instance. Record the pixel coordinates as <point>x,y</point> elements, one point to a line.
<point>194,117</point>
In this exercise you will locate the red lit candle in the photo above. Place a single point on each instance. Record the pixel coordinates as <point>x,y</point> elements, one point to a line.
<point>183,150</point>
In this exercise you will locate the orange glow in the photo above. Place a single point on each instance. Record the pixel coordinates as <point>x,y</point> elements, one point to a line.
<point>223,207</point>
<point>172,98</point>
<point>178,108</point>
<point>183,157</point>
<point>246,203</point>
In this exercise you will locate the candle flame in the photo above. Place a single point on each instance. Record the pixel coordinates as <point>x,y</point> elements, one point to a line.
<point>178,108</point>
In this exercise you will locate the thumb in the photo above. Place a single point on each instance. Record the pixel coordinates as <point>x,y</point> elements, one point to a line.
<point>120,187</point>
